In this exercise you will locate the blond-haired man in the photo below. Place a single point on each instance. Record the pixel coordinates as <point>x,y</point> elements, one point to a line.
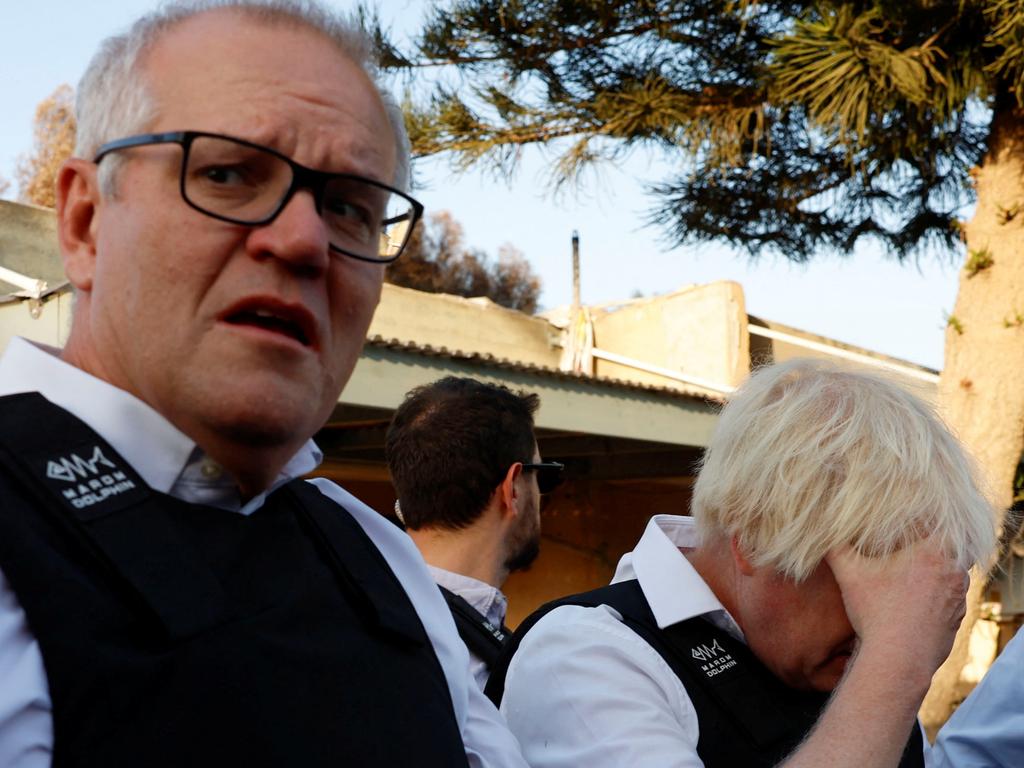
<point>795,619</point>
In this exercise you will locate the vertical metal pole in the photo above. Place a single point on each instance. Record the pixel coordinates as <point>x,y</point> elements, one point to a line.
<point>575,269</point>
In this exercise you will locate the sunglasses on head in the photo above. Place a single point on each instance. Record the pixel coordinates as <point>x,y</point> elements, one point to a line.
<point>549,474</point>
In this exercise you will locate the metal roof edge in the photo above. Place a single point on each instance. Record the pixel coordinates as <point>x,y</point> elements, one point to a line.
<point>427,350</point>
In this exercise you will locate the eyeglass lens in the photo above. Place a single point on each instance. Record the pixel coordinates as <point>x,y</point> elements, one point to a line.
<point>247,184</point>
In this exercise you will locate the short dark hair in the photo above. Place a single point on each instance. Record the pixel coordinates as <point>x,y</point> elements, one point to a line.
<point>450,445</point>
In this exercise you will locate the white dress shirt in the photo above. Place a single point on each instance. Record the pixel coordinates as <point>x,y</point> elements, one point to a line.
<point>488,600</point>
<point>171,463</point>
<point>585,690</point>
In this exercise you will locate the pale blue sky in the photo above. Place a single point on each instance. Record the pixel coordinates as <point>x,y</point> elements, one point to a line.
<point>866,300</point>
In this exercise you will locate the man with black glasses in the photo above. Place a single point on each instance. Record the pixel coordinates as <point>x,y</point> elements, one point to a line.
<point>465,464</point>
<point>171,593</point>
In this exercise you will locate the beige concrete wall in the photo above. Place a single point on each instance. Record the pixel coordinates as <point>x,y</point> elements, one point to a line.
<point>28,245</point>
<point>51,326</point>
<point>28,241</point>
<point>699,331</point>
<point>468,325</point>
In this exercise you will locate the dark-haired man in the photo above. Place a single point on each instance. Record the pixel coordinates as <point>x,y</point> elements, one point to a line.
<point>468,474</point>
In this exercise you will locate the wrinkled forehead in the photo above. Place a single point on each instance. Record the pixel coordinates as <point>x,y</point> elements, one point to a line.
<point>288,85</point>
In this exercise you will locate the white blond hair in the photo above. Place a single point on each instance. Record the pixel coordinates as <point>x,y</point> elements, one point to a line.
<point>113,100</point>
<point>809,456</point>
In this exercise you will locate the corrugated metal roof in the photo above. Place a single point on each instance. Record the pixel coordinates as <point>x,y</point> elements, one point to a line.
<point>427,350</point>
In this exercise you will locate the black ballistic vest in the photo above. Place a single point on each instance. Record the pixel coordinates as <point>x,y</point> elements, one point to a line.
<point>180,635</point>
<point>747,718</point>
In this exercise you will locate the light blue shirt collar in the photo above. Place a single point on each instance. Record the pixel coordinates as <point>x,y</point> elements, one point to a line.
<point>488,600</point>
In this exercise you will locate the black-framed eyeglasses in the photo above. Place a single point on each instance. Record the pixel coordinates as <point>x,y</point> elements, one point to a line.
<point>549,474</point>
<point>244,183</point>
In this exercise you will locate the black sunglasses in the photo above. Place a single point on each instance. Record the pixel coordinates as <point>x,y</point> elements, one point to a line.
<point>549,474</point>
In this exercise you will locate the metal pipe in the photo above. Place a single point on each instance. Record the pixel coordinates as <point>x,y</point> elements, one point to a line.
<point>575,269</point>
<point>667,373</point>
<point>846,354</point>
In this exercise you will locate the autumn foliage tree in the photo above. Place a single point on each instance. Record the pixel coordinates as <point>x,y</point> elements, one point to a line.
<point>53,143</point>
<point>795,128</point>
<point>436,260</point>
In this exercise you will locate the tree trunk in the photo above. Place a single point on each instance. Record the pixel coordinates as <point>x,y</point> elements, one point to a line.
<point>980,396</point>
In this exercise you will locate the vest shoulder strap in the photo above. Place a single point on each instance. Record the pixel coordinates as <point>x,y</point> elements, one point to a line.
<point>363,571</point>
<point>495,688</point>
<point>480,636</point>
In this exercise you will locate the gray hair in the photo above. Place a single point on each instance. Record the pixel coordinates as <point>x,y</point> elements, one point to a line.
<point>113,100</point>
<point>810,456</point>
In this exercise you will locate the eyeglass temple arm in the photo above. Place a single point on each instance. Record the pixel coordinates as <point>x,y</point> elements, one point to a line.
<point>138,141</point>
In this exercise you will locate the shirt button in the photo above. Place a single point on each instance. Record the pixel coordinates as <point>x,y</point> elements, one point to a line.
<point>210,469</point>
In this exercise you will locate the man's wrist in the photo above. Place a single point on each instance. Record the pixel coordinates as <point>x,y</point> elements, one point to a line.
<point>895,659</point>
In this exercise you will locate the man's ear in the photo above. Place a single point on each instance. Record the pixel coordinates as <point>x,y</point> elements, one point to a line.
<point>78,200</point>
<point>743,565</point>
<point>509,490</point>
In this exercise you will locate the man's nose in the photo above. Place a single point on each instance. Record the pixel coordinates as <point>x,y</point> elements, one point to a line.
<point>296,236</point>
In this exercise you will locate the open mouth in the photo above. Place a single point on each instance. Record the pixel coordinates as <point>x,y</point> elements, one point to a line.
<point>293,322</point>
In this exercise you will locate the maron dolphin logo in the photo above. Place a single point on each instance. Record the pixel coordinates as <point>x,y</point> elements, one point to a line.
<point>73,468</point>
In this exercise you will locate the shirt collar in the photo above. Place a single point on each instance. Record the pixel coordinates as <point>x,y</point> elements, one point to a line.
<point>487,599</point>
<point>167,459</point>
<point>672,586</point>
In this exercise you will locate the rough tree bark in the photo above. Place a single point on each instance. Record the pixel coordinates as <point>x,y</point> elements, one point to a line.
<point>980,396</point>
